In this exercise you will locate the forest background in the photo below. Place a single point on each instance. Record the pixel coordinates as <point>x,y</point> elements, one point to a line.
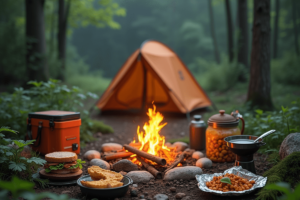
<point>101,35</point>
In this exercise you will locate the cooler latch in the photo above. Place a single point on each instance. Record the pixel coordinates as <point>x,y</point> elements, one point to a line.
<point>51,124</point>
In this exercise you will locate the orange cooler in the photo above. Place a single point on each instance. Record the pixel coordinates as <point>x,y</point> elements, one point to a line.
<point>54,131</point>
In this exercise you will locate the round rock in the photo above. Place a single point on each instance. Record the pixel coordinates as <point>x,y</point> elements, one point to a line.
<point>106,147</point>
<point>180,146</point>
<point>179,195</point>
<point>161,197</point>
<point>204,163</point>
<point>185,173</point>
<point>91,154</point>
<point>125,165</point>
<point>140,176</point>
<point>289,145</point>
<point>101,163</point>
<point>197,155</point>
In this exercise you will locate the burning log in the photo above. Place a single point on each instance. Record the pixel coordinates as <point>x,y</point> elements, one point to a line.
<point>117,155</point>
<point>158,160</point>
<point>151,169</point>
<point>176,162</point>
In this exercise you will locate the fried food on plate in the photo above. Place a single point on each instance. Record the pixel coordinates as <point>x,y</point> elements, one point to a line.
<point>98,173</point>
<point>103,178</point>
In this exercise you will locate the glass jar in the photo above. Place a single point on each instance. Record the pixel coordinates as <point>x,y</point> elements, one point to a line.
<point>220,126</point>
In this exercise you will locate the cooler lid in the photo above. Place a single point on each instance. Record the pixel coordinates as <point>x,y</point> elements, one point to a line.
<point>55,115</point>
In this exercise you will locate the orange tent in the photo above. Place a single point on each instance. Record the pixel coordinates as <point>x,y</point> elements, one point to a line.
<point>154,73</point>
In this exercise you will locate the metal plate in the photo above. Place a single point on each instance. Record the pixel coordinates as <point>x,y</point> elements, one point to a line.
<point>54,183</point>
<point>260,181</point>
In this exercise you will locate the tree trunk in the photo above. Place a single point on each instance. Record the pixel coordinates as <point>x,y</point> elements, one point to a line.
<point>259,91</point>
<point>243,37</point>
<point>211,18</point>
<point>229,30</point>
<point>294,10</point>
<point>63,12</point>
<point>36,65</point>
<point>275,39</point>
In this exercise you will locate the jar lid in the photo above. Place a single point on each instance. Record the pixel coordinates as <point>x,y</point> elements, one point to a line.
<point>223,120</point>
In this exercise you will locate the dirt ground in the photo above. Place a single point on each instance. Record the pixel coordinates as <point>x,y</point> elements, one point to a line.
<point>125,127</point>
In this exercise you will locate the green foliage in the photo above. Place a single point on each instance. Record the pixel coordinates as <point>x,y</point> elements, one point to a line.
<point>51,95</point>
<point>285,188</point>
<point>218,77</point>
<point>286,70</point>
<point>24,189</point>
<point>286,170</point>
<point>12,163</point>
<point>184,139</point>
<point>226,180</point>
<point>284,122</point>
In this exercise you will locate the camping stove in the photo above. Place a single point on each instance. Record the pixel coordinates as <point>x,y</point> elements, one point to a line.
<point>244,150</point>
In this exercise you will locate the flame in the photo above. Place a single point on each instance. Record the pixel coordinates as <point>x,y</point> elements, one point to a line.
<point>151,141</point>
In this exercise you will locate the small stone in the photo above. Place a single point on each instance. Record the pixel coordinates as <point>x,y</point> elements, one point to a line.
<point>106,147</point>
<point>140,176</point>
<point>91,154</point>
<point>197,155</point>
<point>289,145</point>
<point>146,193</point>
<point>26,152</point>
<point>180,146</point>
<point>172,189</point>
<point>204,163</point>
<point>168,144</point>
<point>135,185</point>
<point>161,197</point>
<point>101,163</point>
<point>99,134</point>
<point>187,198</point>
<point>186,173</point>
<point>134,193</point>
<point>125,165</point>
<point>167,184</point>
<point>179,195</point>
<point>142,196</point>
<point>122,172</point>
<point>111,139</point>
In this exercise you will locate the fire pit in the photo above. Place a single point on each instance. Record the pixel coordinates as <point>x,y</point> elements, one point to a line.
<point>149,151</point>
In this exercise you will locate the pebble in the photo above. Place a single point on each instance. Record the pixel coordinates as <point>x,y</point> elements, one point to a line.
<point>142,196</point>
<point>180,146</point>
<point>101,163</point>
<point>173,189</point>
<point>204,163</point>
<point>197,155</point>
<point>187,198</point>
<point>106,147</point>
<point>125,165</point>
<point>188,172</point>
<point>161,197</point>
<point>140,176</point>
<point>66,192</point>
<point>91,154</point>
<point>179,195</point>
<point>135,185</point>
<point>122,172</point>
<point>134,193</point>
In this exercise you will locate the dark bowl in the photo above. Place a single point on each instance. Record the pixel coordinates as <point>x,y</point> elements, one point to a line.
<point>105,192</point>
<point>243,149</point>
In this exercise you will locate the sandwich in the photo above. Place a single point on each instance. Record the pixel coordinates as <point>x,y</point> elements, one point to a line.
<point>62,162</point>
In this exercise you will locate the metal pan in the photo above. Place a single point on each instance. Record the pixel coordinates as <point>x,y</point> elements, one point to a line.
<point>105,192</point>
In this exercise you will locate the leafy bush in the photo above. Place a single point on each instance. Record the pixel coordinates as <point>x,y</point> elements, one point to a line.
<point>24,189</point>
<point>51,95</point>
<point>12,163</point>
<point>218,77</point>
<point>285,188</point>
<point>286,70</point>
<point>284,122</point>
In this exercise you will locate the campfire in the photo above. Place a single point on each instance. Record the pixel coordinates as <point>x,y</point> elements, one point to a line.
<point>149,150</point>
<point>151,141</point>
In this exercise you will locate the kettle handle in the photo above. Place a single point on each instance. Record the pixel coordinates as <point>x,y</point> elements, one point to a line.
<point>243,126</point>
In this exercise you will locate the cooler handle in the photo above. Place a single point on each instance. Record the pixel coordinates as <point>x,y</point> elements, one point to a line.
<point>29,129</point>
<point>39,135</point>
